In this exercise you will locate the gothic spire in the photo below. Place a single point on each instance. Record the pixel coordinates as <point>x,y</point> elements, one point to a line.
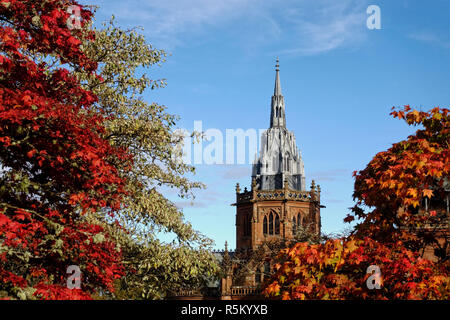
<point>277,89</point>
<point>277,114</point>
<point>279,158</point>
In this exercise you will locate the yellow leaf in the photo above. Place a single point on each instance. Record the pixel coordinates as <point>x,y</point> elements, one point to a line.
<point>351,246</point>
<point>415,203</point>
<point>412,192</point>
<point>416,115</point>
<point>427,193</point>
<point>437,116</point>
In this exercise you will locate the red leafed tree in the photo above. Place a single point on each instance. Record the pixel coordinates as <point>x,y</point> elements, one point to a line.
<point>53,158</point>
<point>408,185</point>
<point>338,270</point>
<point>406,191</point>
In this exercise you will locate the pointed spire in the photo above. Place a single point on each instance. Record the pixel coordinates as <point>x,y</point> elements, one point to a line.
<point>277,89</point>
<point>277,114</point>
<point>226,260</point>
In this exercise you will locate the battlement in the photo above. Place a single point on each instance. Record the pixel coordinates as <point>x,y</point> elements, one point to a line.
<point>279,194</point>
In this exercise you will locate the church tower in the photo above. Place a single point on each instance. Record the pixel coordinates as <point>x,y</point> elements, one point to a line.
<point>277,203</point>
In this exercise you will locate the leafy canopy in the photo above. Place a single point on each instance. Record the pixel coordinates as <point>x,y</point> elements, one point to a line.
<point>56,165</point>
<point>392,234</point>
<point>147,131</point>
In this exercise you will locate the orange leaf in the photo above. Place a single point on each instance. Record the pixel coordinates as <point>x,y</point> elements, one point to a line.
<point>412,192</point>
<point>427,193</point>
<point>31,153</point>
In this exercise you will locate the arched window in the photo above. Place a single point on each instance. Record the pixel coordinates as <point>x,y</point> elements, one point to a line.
<point>299,220</point>
<point>265,225</point>
<point>277,224</point>
<point>294,226</point>
<point>247,225</point>
<point>258,276</point>
<point>271,223</point>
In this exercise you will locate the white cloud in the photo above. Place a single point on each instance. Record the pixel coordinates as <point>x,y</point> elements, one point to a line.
<point>170,21</point>
<point>297,26</point>
<point>203,199</point>
<point>430,38</point>
<point>326,25</point>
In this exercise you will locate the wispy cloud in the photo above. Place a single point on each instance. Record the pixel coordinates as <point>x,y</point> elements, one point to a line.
<point>170,21</point>
<point>326,25</point>
<point>303,27</point>
<point>430,38</point>
<point>204,199</point>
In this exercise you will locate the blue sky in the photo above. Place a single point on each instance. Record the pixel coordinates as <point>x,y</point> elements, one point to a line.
<point>339,80</point>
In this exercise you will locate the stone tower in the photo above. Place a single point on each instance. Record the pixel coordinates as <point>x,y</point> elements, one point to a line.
<point>278,202</point>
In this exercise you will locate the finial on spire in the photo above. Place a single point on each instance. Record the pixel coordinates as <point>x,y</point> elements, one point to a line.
<point>277,90</point>
<point>226,260</point>
<point>277,115</point>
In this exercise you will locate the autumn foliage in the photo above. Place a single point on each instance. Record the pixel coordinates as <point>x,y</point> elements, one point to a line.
<point>393,235</point>
<point>397,181</point>
<point>337,270</point>
<point>54,159</point>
